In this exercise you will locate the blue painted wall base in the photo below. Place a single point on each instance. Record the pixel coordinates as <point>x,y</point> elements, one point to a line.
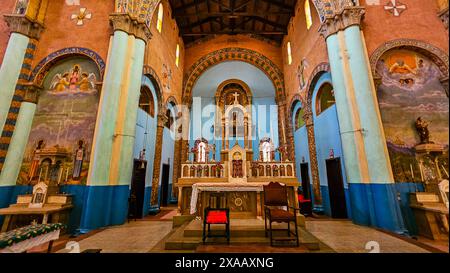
<point>104,206</point>
<point>376,205</point>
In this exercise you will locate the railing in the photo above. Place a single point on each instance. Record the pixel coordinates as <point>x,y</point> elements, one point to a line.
<point>207,170</point>
<point>272,169</point>
<point>256,169</point>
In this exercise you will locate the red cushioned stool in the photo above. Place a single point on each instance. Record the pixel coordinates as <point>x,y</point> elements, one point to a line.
<point>216,216</point>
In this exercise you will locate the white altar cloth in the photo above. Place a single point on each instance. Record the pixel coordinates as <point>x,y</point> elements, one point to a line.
<point>32,242</point>
<point>222,187</point>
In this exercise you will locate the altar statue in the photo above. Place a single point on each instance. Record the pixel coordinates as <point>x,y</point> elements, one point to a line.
<point>422,130</point>
<point>78,162</point>
<point>237,166</point>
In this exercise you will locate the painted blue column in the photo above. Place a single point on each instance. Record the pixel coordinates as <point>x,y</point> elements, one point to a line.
<point>107,191</point>
<point>372,193</point>
<point>10,71</point>
<point>19,140</point>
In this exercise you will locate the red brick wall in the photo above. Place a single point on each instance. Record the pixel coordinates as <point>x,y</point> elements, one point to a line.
<point>197,51</point>
<point>61,32</point>
<point>161,50</point>
<point>6,7</point>
<point>419,21</point>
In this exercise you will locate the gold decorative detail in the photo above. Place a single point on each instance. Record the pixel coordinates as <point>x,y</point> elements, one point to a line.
<point>81,16</point>
<point>349,16</point>
<point>130,25</point>
<point>23,25</point>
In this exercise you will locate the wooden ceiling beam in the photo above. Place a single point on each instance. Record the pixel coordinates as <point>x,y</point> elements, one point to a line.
<point>235,14</point>
<point>280,4</point>
<point>234,32</point>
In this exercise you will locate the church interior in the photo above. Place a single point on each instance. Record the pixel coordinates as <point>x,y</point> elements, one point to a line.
<point>302,126</point>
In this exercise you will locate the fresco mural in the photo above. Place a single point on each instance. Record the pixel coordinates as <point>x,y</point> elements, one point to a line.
<point>411,90</point>
<point>60,141</point>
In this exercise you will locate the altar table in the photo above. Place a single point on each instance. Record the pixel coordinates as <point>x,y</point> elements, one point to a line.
<point>223,187</point>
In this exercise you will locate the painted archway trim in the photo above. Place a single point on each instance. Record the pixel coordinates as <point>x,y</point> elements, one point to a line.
<point>234,54</point>
<point>150,73</point>
<point>43,67</point>
<point>314,78</point>
<point>439,57</point>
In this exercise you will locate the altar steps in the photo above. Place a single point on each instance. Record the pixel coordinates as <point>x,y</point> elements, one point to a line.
<point>243,232</point>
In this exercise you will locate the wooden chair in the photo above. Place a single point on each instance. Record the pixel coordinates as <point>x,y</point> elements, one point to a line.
<point>216,213</point>
<point>277,209</point>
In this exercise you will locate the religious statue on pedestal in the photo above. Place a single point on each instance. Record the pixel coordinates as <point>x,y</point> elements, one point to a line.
<point>78,160</point>
<point>422,130</point>
<point>35,161</point>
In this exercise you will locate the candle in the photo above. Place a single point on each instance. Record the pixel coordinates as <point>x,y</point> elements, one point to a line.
<point>282,127</point>
<point>60,176</point>
<point>40,173</point>
<point>67,174</point>
<point>421,171</point>
<point>412,173</point>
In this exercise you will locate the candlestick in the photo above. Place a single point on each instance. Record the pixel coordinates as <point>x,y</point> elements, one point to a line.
<point>421,171</point>
<point>284,134</point>
<point>446,173</point>
<point>60,175</point>
<point>67,174</point>
<point>40,173</point>
<point>412,173</point>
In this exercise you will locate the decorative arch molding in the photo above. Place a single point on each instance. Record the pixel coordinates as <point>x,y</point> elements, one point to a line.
<point>233,54</point>
<point>171,100</point>
<point>40,71</point>
<point>150,73</point>
<point>237,81</point>
<point>318,71</point>
<point>439,57</point>
<point>294,100</point>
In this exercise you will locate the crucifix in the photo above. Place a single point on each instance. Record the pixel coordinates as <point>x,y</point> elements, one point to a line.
<point>395,7</point>
<point>236,96</point>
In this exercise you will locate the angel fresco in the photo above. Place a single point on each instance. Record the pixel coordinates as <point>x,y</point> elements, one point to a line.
<point>74,81</point>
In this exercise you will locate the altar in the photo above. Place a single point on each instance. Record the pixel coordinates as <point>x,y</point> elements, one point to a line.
<point>237,179</point>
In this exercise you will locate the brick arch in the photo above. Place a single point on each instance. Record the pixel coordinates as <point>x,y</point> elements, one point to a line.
<point>318,71</point>
<point>233,54</point>
<point>436,55</point>
<point>296,98</point>
<point>43,67</point>
<point>149,72</point>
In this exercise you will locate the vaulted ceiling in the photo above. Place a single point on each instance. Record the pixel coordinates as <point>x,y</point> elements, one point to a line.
<point>199,18</point>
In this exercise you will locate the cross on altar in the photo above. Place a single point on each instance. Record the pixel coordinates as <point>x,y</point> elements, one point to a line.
<point>395,7</point>
<point>236,96</point>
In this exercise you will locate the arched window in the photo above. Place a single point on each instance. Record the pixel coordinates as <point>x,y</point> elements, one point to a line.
<point>160,18</point>
<point>201,152</point>
<point>177,55</point>
<point>299,122</point>
<point>146,102</point>
<point>308,14</point>
<point>21,7</point>
<point>325,98</point>
<point>289,52</point>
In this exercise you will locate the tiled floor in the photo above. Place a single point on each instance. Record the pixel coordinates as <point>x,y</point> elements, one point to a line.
<point>147,235</point>
<point>346,237</point>
<point>133,237</point>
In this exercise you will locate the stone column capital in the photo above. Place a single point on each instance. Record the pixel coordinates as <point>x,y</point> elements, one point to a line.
<point>348,16</point>
<point>23,25</point>
<point>162,119</point>
<point>32,92</point>
<point>130,25</point>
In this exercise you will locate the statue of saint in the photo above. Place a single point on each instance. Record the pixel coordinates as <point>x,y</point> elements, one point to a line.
<point>422,130</point>
<point>35,160</point>
<point>78,161</point>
